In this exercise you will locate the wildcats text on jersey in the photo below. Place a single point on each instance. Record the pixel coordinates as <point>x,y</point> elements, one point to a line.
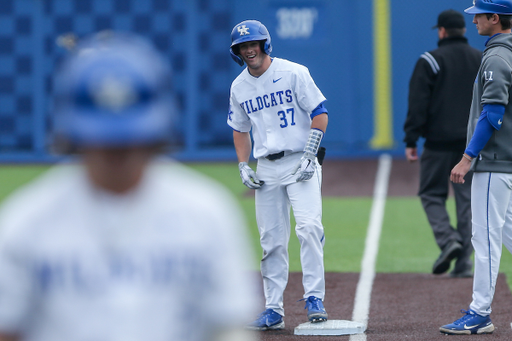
<point>267,101</point>
<point>86,273</point>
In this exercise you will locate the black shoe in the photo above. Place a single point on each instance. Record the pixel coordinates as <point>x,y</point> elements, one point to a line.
<point>450,252</point>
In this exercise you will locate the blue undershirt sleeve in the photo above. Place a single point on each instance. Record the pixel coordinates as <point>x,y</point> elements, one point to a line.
<point>490,119</point>
<point>320,109</point>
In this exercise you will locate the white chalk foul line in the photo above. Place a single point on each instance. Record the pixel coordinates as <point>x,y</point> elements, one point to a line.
<point>364,286</point>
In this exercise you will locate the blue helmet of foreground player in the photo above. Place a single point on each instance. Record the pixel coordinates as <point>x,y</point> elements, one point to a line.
<point>488,6</point>
<point>249,30</point>
<point>113,91</point>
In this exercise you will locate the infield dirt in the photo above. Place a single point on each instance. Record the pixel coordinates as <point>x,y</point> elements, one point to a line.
<point>403,307</point>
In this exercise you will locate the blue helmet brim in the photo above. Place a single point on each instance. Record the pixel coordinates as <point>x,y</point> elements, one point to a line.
<point>137,126</point>
<point>474,10</point>
<point>248,38</point>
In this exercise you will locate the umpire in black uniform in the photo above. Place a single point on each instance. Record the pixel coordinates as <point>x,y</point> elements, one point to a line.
<point>440,93</point>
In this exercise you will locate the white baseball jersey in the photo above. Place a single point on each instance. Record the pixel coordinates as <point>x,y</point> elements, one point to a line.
<point>164,262</point>
<point>277,105</point>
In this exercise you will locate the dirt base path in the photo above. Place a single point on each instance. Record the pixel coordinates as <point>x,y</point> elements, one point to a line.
<point>403,307</point>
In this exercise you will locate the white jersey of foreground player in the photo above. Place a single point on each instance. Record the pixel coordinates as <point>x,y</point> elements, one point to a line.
<point>165,262</point>
<point>284,85</point>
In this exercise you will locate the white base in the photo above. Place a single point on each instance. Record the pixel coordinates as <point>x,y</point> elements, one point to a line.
<point>330,327</point>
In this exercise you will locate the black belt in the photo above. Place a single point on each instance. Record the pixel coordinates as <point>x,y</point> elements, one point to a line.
<point>276,156</point>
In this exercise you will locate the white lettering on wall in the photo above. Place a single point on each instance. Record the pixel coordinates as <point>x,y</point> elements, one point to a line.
<point>294,23</point>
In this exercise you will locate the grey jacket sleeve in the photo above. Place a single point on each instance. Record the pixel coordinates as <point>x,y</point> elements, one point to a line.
<point>496,76</point>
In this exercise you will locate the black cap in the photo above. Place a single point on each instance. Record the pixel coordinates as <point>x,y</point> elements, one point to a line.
<point>450,19</point>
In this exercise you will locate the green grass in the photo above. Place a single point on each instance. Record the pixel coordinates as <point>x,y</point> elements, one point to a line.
<point>11,177</point>
<point>406,245</point>
<point>345,222</point>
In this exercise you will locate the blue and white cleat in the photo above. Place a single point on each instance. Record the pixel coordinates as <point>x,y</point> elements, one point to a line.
<point>316,310</point>
<point>471,323</point>
<point>267,320</point>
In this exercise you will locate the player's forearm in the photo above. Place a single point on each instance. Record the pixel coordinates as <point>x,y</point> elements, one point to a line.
<point>243,146</point>
<point>320,122</point>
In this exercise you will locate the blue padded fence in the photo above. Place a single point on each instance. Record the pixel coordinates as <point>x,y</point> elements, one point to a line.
<point>334,38</point>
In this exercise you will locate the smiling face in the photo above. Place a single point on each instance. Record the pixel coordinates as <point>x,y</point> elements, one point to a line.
<point>257,61</point>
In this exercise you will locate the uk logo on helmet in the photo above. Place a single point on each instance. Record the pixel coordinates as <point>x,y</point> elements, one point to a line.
<point>114,93</point>
<point>243,30</point>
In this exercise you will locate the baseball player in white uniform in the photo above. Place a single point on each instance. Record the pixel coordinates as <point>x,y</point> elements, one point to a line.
<point>280,103</point>
<point>121,245</point>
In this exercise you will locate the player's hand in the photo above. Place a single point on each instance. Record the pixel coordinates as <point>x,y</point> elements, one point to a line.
<point>248,176</point>
<point>411,154</point>
<point>460,170</point>
<point>306,167</point>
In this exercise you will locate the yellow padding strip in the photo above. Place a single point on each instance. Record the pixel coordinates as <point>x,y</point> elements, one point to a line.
<point>383,112</point>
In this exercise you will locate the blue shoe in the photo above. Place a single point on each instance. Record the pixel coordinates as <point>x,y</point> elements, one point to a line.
<point>267,320</point>
<point>471,323</point>
<point>316,310</point>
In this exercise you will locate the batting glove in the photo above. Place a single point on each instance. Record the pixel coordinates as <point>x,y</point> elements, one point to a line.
<point>306,167</point>
<point>307,163</point>
<point>248,176</point>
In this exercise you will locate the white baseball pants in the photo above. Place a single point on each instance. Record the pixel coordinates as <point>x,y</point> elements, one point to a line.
<point>491,207</point>
<point>273,202</point>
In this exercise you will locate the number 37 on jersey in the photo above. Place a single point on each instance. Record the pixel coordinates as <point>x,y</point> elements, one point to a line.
<point>278,98</point>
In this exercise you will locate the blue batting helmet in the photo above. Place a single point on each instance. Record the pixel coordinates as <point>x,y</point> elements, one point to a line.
<point>249,30</point>
<point>490,6</point>
<point>113,91</point>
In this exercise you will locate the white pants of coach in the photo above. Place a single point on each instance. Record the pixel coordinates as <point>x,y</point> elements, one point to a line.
<point>273,202</point>
<point>491,206</point>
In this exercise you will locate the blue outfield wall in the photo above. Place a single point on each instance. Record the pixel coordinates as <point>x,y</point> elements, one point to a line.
<point>333,38</point>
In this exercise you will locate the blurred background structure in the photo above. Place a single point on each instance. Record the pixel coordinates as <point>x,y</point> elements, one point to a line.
<point>361,54</point>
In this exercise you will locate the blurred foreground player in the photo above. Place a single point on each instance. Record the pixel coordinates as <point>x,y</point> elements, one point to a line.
<point>120,245</point>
